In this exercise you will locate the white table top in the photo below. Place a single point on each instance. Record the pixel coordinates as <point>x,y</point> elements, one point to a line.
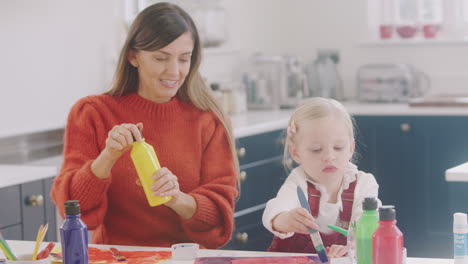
<point>26,247</point>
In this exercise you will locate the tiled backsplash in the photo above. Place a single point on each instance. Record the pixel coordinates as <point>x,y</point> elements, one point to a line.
<point>29,147</point>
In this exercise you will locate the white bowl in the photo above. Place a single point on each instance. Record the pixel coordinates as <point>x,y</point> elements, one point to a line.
<point>184,251</point>
<point>26,259</point>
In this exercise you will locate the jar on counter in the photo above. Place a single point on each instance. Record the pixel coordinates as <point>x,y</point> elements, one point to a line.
<point>230,96</point>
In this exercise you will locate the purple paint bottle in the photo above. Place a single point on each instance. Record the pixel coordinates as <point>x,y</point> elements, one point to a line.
<point>74,235</point>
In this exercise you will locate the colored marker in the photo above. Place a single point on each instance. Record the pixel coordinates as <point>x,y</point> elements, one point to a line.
<point>338,229</point>
<point>6,249</point>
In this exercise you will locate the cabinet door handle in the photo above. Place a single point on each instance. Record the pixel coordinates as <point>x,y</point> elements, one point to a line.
<point>243,176</point>
<point>242,237</point>
<point>35,200</point>
<point>241,152</point>
<point>405,127</point>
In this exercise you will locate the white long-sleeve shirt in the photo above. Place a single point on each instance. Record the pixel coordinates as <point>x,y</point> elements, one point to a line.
<point>287,199</point>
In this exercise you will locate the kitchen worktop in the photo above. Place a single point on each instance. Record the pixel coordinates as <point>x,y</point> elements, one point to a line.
<point>244,124</point>
<point>254,122</point>
<point>402,109</point>
<point>18,174</point>
<point>26,247</point>
<point>457,174</point>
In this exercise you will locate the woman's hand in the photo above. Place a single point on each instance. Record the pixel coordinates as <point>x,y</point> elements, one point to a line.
<point>297,220</point>
<point>120,138</point>
<point>337,251</point>
<point>166,184</point>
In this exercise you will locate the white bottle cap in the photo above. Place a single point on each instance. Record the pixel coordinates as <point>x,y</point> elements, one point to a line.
<point>460,223</point>
<point>184,251</point>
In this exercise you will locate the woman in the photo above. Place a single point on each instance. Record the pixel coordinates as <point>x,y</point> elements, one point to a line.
<point>157,86</point>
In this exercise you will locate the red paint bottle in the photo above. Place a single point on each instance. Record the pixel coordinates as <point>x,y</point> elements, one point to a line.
<point>387,240</point>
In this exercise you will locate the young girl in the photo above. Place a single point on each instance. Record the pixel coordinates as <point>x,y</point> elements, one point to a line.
<point>320,139</point>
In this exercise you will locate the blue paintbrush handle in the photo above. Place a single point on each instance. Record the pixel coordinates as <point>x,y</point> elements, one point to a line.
<point>314,234</point>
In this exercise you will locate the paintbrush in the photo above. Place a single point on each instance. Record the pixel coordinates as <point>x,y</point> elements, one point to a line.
<point>6,249</point>
<point>117,254</point>
<point>314,234</point>
<point>40,236</point>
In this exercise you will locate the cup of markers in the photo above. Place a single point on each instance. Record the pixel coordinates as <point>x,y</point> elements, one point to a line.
<point>5,248</point>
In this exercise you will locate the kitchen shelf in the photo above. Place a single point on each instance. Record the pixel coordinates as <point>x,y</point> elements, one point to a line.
<point>413,42</point>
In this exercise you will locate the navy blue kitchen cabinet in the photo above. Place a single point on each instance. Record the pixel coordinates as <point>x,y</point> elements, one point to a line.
<point>10,214</point>
<point>24,208</point>
<point>261,175</point>
<point>408,155</point>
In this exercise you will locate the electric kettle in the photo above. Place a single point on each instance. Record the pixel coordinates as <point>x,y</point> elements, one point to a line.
<point>296,84</point>
<point>324,79</point>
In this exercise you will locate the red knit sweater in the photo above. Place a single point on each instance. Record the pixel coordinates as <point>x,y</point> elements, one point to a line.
<point>190,142</point>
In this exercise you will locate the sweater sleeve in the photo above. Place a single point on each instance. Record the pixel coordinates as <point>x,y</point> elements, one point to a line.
<point>212,224</point>
<point>76,181</point>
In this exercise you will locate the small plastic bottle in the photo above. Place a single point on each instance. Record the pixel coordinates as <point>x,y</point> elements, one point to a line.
<point>74,235</point>
<point>146,163</point>
<point>387,240</point>
<point>365,227</point>
<point>460,236</point>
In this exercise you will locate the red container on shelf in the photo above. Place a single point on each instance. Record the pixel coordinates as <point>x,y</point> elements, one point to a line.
<point>406,31</point>
<point>386,31</point>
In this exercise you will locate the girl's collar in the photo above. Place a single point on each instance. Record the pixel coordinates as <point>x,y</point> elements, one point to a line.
<point>349,175</point>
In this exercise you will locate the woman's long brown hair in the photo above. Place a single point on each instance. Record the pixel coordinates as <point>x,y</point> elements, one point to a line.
<point>154,28</point>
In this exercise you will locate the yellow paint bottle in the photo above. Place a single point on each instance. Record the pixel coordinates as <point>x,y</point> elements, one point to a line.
<point>146,163</point>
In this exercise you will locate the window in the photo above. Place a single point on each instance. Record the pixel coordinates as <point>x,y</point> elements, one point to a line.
<point>403,21</point>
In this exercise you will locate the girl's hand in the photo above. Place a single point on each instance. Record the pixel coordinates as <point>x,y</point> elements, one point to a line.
<point>337,251</point>
<point>166,184</point>
<point>297,220</point>
<point>120,138</point>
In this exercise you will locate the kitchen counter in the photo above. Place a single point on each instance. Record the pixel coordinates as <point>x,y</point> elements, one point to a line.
<point>457,174</point>
<point>399,109</point>
<point>18,174</point>
<point>26,247</point>
<point>244,124</point>
<point>254,122</point>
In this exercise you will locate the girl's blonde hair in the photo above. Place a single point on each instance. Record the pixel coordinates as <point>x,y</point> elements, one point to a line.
<point>154,28</point>
<point>311,109</point>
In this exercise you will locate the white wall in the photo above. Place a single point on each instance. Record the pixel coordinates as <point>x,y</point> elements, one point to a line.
<point>53,52</point>
<point>302,27</point>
